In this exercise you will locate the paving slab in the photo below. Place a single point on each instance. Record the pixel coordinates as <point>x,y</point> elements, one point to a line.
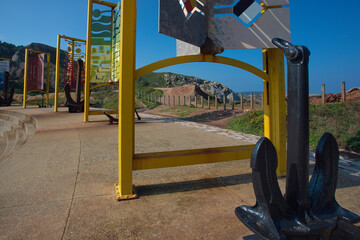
<point>60,184</point>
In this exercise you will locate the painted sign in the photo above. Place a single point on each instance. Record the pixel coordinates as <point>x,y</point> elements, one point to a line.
<point>116,43</point>
<point>4,67</point>
<point>224,24</point>
<point>75,50</point>
<point>35,79</point>
<point>100,65</point>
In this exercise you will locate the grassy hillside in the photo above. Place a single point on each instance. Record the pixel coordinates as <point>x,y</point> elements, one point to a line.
<point>340,119</point>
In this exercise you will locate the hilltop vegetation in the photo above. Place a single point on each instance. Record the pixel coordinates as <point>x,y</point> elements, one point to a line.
<point>340,119</point>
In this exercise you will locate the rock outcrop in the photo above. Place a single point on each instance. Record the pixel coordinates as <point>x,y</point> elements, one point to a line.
<point>208,87</point>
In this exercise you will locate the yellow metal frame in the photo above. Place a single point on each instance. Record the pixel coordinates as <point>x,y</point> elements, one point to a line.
<point>27,51</point>
<point>87,87</point>
<point>274,110</point>
<point>57,74</point>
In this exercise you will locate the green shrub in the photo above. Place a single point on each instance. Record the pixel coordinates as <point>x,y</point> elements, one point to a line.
<point>354,142</point>
<point>251,123</point>
<point>340,119</point>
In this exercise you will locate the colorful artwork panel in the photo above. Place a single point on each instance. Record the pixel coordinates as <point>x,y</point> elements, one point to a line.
<point>35,79</point>
<point>227,24</point>
<point>4,67</point>
<point>116,44</point>
<point>101,44</point>
<point>2,77</point>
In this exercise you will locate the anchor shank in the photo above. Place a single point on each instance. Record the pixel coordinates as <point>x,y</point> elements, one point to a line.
<point>298,130</point>
<point>297,182</point>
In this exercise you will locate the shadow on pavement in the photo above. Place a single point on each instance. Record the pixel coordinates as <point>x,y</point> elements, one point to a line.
<point>164,188</point>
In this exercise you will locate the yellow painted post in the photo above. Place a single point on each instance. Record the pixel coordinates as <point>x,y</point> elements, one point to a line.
<point>126,99</point>
<point>57,74</point>
<point>25,76</point>
<point>87,63</point>
<point>48,78</point>
<point>274,106</point>
<point>73,59</point>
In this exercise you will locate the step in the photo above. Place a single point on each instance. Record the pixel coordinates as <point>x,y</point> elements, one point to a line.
<point>15,130</point>
<point>11,138</point>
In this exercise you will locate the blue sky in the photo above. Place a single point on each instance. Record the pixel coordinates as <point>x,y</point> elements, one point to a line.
<point>328,28</point>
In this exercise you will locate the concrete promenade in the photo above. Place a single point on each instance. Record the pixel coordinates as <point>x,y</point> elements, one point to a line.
<point>59,183</point>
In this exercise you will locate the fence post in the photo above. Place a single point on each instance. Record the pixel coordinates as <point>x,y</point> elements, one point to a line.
<point>195,101</point>
<point>184,101</point>
<point>233,102</point>
<point>164,100</point>
<point>343,92</point>
<point>189,101</point>
<point>216,102</point>
<point>322,93</point>
<point>208,101</point>
<point>252,100</point>
<point>169,103</point>
<point>202,102</point>
<point>224,101</point>
<point>241,101</point>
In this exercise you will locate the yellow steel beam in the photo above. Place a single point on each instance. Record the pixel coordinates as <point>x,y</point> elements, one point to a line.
<point>73,39</point>
<point>275,107</point>
<point>87,62</point>
<point>103,84</point>
<point>200,58</point>
<point>191,157</point>
<point>72,58</point>
<point>57,74</point>
<point>7,59</point>
<point>35,51</point>
<point>41,91</point>
<point>109,4</point>
<point>25,76</point>
<point>126,99</point>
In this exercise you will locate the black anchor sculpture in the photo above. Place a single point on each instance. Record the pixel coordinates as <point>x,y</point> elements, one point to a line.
<point>308,210</point>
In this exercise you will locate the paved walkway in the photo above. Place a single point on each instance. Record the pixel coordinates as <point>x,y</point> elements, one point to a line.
<point>60,183</point>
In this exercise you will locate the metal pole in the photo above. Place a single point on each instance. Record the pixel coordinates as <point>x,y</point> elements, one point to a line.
<point>72,60</point>
<point>87,62</point>
<point>25,76</point>
<point>322,93</point>
<point>57,74</point>
<point>275,111</point>
<point>48,78</point>
<point>126,99</point>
